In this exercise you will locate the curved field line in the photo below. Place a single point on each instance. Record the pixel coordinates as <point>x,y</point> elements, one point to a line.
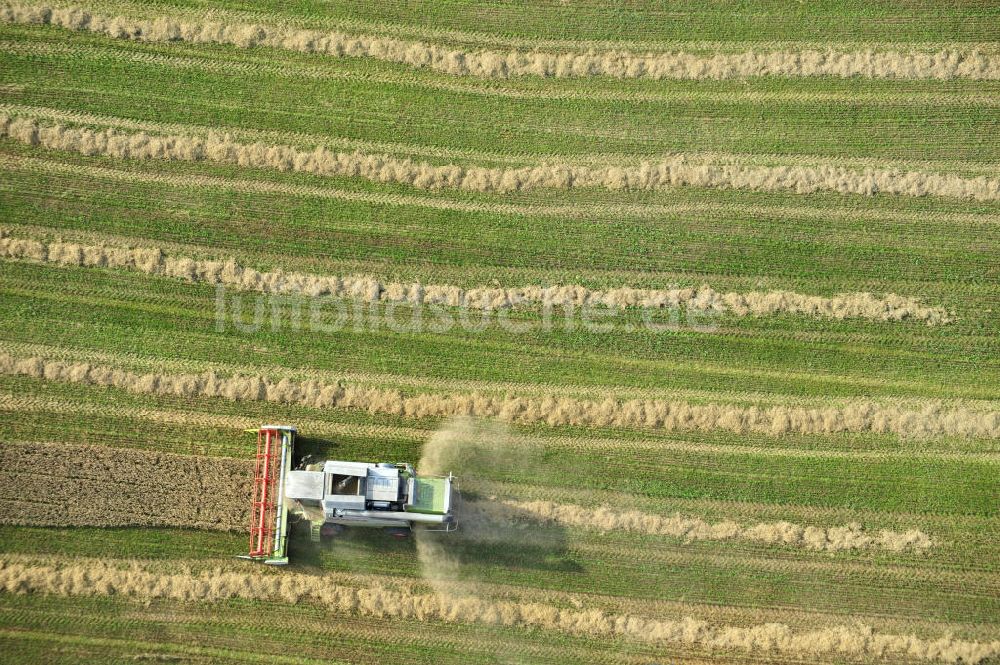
<point>674,172</point>
<point>299,70</point>
<point>639,212</point>
<point>97,578</point>
<point>553,411</point>
<point>227,272</point>
<point>945,64</point>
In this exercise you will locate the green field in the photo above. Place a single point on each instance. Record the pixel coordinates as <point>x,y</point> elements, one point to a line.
<point>150,594</point>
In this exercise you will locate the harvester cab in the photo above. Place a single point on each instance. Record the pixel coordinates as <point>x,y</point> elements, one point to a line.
<point>331,495</point>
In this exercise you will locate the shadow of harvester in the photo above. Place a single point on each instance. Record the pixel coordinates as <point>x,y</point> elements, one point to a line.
<point>489,536</point>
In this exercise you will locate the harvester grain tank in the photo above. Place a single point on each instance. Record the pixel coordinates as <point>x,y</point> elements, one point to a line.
<point>334,494</point>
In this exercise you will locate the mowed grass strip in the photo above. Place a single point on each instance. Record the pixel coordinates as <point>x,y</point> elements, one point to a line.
<point>459,61</point>
<point>396,572</point>
<point>593,204</point>
<point>194,422</point>
<point>799,619</point>
<point>63,578</point>
<point>838,98</point>
<point>702,25</point>
<point>362,110</point>
<point>381,600</point>
<point>908,421</point>
<point>730,246</point>
<point>957,94</point>
<point>107,627</point>
<point>111,305</point>
<point>96,628</point>
<point>227,272</point>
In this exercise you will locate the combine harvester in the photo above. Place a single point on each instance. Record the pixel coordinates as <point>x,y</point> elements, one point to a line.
<point>331,495</point>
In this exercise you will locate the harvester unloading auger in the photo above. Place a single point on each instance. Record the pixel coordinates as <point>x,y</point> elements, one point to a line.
<point>331,495</point>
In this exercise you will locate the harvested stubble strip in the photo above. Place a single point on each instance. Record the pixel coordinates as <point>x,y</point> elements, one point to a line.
<point>888,64</point>
<point>674,172</point>
<point>72,485</point>
<point>153,261</point>
<point>829,539</point>
<point>132,580</point>
<point>932,420</point>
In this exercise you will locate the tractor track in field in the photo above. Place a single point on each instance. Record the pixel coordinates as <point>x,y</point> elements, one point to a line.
<point>677,171</point>
<point>888,64</point>
<point>932,420</point>
<point>70,485</point>
<point>100,578</point>
<point>228,272</point>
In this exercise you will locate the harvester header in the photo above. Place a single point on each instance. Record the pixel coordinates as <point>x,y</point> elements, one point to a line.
<point>332,495</point>
<point>268,511</point>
